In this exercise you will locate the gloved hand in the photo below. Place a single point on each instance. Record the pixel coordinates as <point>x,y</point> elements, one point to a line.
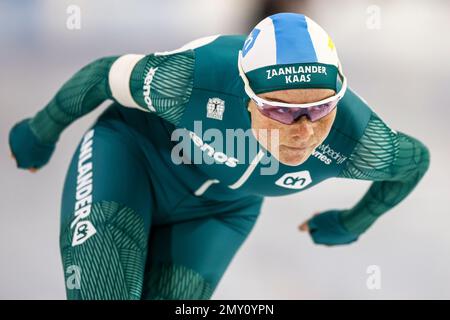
<point>28,151</point>
<point>326,228</point>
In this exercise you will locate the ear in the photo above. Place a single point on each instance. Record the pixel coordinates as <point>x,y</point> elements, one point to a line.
<point>249,106</point>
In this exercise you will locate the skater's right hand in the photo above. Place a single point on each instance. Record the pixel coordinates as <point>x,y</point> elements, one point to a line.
<point>28,152</point>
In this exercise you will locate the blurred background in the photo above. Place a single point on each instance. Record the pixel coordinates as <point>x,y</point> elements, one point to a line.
<point>396,55</point>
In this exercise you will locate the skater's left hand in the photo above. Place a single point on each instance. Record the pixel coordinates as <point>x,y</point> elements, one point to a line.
<point>326,228</point>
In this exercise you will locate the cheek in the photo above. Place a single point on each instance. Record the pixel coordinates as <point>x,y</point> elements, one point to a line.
<point>324,126</point>
<point>328,123</point>
<point>268,132</point>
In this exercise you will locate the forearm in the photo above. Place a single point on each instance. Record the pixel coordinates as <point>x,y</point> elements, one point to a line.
<point>86,90</point>
<point>396,182</point>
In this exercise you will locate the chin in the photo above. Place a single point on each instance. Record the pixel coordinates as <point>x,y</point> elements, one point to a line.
<point>293,163</point>
<point>293,160</point>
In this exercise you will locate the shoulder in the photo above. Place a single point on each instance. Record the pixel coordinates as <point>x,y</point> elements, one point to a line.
<point>353,115</point>
<point>210,43</point>
<point>221,46</point>
<point>215,61</point>
<point>216,66</point>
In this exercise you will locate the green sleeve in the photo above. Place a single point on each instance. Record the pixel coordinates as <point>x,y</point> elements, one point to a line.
<point>170,90</point>
<point>170,87</point>
<point>81,94</point>
<point>396,162</point>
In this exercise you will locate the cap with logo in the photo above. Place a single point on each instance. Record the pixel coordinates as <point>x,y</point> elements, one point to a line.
<point>290,51</point>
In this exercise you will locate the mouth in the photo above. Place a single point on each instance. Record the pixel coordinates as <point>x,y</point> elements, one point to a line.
<point>296,149</point>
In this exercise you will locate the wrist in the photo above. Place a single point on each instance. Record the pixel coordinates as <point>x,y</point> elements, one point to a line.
<point>327,228</point>
<point>45,128</point>
<point>356,222</point>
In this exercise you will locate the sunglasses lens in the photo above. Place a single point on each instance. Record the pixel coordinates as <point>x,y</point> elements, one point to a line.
<point>318,112</point>
<point>290,115</point>
<point>283,115</point>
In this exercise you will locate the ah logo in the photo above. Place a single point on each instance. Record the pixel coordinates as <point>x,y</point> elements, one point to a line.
<point>83,231</point>
<point>295,180</point>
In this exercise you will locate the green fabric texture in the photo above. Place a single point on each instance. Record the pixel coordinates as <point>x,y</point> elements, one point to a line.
<point>89,87</point>
<point>81,94</point>
<point>112,261</point>
<point>394,161</point>
<point>171,86</point>
<point>176,282</point>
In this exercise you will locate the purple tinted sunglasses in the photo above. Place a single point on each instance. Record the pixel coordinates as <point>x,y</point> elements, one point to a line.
<point>289,115</point>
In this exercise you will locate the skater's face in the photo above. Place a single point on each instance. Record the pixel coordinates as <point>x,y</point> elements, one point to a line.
<point>295,141</point>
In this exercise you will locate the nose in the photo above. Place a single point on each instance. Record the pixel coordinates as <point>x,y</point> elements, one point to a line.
<point>301,130</point>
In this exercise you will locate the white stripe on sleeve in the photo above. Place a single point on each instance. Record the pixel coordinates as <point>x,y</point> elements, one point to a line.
<point>119,79</point>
